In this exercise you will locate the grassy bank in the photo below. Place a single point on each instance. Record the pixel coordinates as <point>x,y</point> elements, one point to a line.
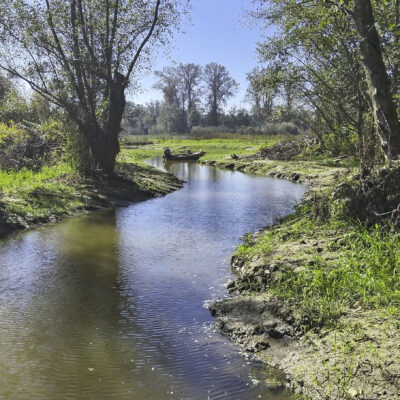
<point>29,198</point>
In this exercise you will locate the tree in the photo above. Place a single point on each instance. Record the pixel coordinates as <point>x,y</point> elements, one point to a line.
<point>262,92</point>
<point>386,117</point>
<point>175,97</point>
<point>190,75</point>
<point>347,69</point>
<point>170,84</point>
<point>315,54</point>
<point>180,88</point>
<point>219,86</point>
<point>81,55</point>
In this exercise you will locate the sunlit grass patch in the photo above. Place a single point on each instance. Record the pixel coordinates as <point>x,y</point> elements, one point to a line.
<point>38,194</point>
<point>14,180</point>
<point>216,149</point>
<point>262,246</point>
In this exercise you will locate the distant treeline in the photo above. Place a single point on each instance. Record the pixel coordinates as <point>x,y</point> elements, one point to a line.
<point>193,102</point>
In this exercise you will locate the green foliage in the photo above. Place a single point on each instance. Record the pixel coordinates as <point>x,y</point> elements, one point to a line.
<point>250,248</point>
<point>312,152</point>
<point>370,196</point>
<point>343,141</point>
<point>14,108</point>
<point>41,110</point>
<point>81,60</point>
<point>313,64</point>
<point>30,145</point>
<point>10,133</point>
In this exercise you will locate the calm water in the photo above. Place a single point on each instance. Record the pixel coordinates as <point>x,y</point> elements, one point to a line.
<point>110,305</point>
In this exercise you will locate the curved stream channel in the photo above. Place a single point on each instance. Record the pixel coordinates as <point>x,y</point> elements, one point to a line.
<point>111,305</point>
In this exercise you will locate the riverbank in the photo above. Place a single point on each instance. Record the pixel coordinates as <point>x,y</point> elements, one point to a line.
<point>123,293</point>
<point>316,295</point>
<point>28,198</point>
<point>31,198</point>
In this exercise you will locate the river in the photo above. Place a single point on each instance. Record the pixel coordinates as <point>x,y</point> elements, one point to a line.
<point>110,305</point>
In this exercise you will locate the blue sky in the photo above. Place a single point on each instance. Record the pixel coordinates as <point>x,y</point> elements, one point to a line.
<point>218,33</point>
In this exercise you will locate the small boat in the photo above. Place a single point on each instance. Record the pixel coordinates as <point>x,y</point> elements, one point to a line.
<point>189,156</point>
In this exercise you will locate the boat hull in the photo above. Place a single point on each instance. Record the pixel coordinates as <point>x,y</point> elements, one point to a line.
<point>184,157</point>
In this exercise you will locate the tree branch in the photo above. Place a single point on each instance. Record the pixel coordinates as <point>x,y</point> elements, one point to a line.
<point>58,45</point>
<point>145,40</point>
<point>42,91</point>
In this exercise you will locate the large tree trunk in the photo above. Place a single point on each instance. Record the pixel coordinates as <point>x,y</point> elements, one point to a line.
<point>103,142</point>
<point>106,151</point>
<point>396,66</point>
<point>385,113</point>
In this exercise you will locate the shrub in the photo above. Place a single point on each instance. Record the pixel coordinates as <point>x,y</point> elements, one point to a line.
<point>371,196</point>
<point>31,146</point>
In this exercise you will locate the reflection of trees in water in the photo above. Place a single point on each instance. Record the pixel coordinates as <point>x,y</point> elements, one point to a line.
<point>72,333</point>
<point>84,305</point>
<point>189,170</point>
<point>213,173</point>
<point>192,171</point>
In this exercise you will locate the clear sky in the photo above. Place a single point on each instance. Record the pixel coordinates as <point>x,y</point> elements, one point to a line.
<point>218,33</point>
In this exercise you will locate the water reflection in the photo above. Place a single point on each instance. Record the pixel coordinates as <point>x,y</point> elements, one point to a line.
<point>110,305</point>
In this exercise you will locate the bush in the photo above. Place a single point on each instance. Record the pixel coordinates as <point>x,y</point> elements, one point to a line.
<point>31,146</point>
<point>343,142</point>
<point>14,108</point>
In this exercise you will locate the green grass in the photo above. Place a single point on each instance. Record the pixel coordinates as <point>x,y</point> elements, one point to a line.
<point>363,271</point>
<point>34,195</point>
<point>13,181</point>
<point>28,197</point>
<point>216,149</point>
<point>262,246</point>
<point>368,272</point>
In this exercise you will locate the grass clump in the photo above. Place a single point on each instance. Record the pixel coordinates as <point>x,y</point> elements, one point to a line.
<point>250,248</point>
<point>365,274</point>
<point>34,195</point>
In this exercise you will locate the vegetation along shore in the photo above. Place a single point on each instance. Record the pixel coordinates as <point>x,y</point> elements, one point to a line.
<point>315,294</point>
<point>30,198</point>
